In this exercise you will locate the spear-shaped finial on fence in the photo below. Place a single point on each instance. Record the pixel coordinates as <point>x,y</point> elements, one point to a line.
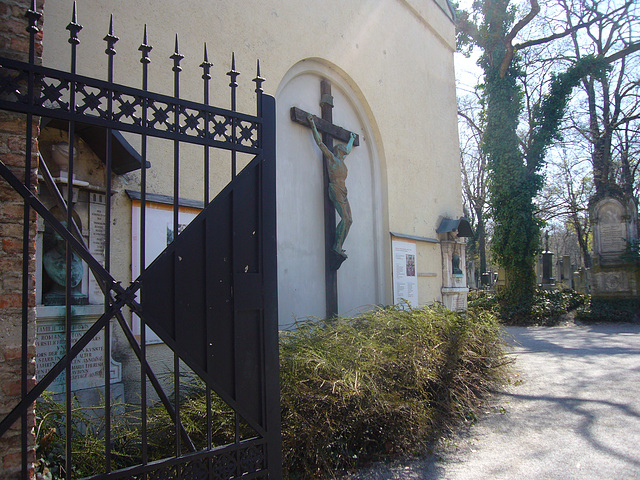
<point>177,57</point>
<point>74,27</point>
<point>145,48</point>
<point>206,74</point>
<point>259,80</point>
<point>111,39</point>
<point>33,16</point>
<point>206,77</point>
<point>206,65</point>
<point>233,75</point>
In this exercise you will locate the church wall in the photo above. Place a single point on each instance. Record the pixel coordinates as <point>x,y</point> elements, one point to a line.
<point>398,54</point>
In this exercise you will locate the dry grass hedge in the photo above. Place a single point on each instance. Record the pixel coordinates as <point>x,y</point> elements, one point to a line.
<point>382,384</point>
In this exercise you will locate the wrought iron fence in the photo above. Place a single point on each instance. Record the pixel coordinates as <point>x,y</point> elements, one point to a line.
<point>210,296</point>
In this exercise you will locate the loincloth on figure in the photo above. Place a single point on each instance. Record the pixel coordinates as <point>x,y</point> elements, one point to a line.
<point>337,193</point>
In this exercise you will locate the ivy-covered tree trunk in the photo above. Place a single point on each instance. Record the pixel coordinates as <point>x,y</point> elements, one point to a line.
<point>516,229</point>
<point>511,184</point>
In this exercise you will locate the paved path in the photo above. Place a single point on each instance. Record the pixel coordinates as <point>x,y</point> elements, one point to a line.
<point>572,411</point>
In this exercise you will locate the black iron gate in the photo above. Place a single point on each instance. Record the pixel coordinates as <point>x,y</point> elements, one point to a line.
<point>211,296</point>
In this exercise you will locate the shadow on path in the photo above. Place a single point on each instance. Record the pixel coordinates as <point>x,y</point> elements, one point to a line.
<point>572,411</point>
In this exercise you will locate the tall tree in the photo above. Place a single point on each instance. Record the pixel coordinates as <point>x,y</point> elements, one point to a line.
<point>515,174</point>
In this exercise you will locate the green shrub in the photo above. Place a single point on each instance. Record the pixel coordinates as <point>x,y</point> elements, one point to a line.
<point>87,438</point>
<point>547,309</point>
<point>610,310</point>
<point>384,383</point>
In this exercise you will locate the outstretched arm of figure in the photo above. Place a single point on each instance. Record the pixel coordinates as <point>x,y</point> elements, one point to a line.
<point>350,144</point>
<point>317,138</point>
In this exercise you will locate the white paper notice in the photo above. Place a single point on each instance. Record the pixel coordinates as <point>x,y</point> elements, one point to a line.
<point>405,280</point>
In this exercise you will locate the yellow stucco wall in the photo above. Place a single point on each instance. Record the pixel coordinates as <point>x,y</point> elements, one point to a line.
<point>398,54</point>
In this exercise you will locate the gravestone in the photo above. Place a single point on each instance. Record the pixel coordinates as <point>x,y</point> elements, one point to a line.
<point>87,369</point>
<point>547,269</point>
<point>580,281</point>
<point>614,220</point>
<point>547,265</point>
<point>565,273</point>
<point>501,279</point>
<point>87,300</point>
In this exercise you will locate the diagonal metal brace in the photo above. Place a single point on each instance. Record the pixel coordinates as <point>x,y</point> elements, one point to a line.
<point>57,369</point>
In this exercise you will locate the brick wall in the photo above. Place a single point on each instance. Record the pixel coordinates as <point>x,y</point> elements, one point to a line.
<point>14,43</point>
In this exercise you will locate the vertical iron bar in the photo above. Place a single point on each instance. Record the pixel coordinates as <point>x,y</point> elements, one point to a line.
<point>206,77</point>
<point>233,75</point>
<point>270,276</point>
<point>237,437</point>
<point>233,84</point>
<point>111,40</point>
<point>145,48</point>
<point>74,27</point>
<point>32,16</point>
<point>262,206</point>
<point>110,51</point>
<point>176,196</point>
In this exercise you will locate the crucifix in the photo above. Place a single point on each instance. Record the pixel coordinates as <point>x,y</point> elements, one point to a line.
<point>335,198</point>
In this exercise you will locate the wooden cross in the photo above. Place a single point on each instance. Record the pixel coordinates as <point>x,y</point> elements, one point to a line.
<point>329,131</point>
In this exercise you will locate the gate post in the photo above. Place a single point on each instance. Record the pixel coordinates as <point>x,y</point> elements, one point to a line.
<point>18,151</point>
<point>270,272</point>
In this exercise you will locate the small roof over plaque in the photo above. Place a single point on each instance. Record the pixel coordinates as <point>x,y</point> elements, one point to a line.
<point>125,158</point>
<point>462,226</point>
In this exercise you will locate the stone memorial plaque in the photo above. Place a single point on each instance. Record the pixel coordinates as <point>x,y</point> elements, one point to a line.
<point>87,369</point>
<point>97,213</point>
<point>612,238</point>
<point>610,228</point>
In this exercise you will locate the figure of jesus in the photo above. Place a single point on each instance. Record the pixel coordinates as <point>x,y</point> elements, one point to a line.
<point>337,172</point>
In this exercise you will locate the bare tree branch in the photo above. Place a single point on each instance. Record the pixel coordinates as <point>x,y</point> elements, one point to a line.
<point>508,40</point>
<point>470,121</point>
<point>569,31</point>
<point>634,47</point>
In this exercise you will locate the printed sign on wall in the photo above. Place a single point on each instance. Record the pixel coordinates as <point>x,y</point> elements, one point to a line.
<point>405,279</point>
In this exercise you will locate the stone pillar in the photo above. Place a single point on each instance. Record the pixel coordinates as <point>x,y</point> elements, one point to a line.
<point>547,269</point>
<point>454,288</point>
<point>567,273</point>
<point>14,43</point>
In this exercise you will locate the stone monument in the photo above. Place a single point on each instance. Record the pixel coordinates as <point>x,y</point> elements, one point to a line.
<point>547,266</point>
<point>615,225</point>
<point>451,235</point>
